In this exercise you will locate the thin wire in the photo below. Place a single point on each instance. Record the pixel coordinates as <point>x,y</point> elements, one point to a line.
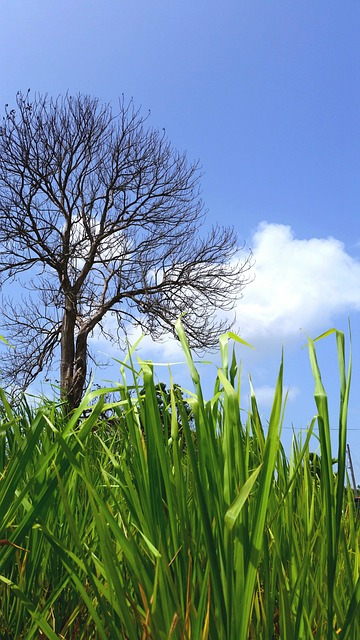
<point>316,427</point>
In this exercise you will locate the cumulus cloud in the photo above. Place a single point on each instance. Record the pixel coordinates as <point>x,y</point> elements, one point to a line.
<point>299,285</point>
<point>164,353</point>
<point>265,395</point>
<point>166,350</point>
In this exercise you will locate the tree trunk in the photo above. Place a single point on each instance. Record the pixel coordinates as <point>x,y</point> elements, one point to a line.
<point>67,349</point>
<point>79,376</point>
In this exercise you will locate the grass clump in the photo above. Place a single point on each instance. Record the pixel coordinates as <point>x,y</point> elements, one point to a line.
<point>175,518</point>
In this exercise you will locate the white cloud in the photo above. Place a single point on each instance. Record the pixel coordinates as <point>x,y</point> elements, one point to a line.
<point>265,395</point>
<point>166,350</point>
<point>299,286</point>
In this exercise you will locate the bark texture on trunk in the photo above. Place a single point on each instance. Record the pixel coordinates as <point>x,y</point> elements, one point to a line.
<point>79,374</point>
<point>67,350</point>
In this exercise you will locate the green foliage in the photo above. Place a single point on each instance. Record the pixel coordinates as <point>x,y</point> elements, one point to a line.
<point>160,515</point>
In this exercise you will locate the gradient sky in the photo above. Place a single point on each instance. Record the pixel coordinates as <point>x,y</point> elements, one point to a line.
<point>266,94</point>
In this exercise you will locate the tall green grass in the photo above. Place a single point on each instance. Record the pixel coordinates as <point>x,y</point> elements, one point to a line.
<point>132,520</point>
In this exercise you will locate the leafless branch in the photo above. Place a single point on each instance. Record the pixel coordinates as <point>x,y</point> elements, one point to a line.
<point>99,213</point>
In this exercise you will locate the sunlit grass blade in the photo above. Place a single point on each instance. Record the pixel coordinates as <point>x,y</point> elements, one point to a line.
<point>162,514</point>
<point>261,503</point>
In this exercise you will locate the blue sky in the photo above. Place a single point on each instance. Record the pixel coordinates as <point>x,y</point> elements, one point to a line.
<point>266,94</point>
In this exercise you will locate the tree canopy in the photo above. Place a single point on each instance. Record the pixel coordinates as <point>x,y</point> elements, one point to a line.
<point>99,214</point>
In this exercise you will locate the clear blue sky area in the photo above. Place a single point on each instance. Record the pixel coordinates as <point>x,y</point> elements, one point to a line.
<point>266,94</point>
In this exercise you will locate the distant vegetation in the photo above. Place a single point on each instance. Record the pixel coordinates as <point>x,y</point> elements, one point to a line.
<point>116,523</point>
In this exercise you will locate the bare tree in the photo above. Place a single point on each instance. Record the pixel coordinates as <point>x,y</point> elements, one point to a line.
<point>102,215</point>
